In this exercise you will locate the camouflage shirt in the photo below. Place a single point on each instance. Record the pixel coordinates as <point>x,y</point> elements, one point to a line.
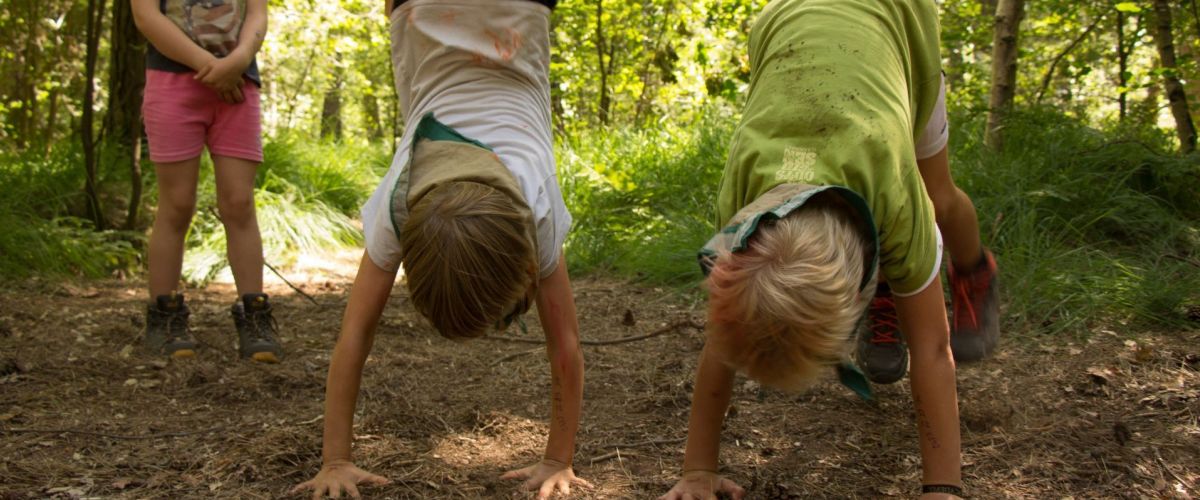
<point>214,25</point>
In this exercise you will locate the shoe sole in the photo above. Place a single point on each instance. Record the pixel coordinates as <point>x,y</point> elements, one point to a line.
<point>183,354</point>
<point>265,357</point>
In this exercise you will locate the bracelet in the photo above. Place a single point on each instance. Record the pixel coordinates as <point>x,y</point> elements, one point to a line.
<point>949,489</point>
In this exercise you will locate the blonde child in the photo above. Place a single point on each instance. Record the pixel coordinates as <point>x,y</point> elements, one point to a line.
<point>202,91</point>
<point>822,197</point>
<point>472,209</point>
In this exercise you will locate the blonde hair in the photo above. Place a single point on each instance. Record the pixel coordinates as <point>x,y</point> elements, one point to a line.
<point>468,261</point>
<point>786,307</point>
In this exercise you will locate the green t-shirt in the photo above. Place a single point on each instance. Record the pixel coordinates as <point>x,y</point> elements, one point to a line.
<point>839,92</point>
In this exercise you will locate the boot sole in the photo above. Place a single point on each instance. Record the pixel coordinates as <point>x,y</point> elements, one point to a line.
<point>265,357</point>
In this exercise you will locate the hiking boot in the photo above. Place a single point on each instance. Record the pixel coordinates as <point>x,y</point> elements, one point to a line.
<point>167,327</point>
<point>976,319</point>
<point>881,351</point>
<point>257,331</point>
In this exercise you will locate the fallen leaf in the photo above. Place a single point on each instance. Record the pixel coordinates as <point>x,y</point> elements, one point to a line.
<point>628,319</point>
<point>125,482</point>
<point>83,293</point>
<point>1121,433</point>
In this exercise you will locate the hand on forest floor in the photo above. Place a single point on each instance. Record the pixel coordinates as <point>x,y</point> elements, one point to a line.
<point>547,477</point>
<point>338,477</point>
<point>703,485</point>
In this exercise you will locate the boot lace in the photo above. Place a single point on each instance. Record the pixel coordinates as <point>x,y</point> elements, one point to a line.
<point>885,325</point>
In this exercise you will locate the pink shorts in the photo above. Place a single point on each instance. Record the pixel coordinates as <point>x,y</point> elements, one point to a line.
<point>182,116</point>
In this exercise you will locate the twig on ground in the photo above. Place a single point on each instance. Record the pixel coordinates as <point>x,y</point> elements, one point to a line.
<point>666,329</point>
<point>516,355</point>
<point>1163,464</point>
<point>111,436</point>
<point>611,455</point>
<point>289,283</point>
<point>617,451</point>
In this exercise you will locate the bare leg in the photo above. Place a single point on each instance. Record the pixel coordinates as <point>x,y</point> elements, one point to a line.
<point>235,202</point>
<point>176,206</point>
<point>955,213</point>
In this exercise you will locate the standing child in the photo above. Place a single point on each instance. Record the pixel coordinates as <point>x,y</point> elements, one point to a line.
<point>202,90</point>
<point>822,196</point>
<point>472,209</point>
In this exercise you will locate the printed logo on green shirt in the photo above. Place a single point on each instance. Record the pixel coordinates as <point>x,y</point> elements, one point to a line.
<point>798,165</point>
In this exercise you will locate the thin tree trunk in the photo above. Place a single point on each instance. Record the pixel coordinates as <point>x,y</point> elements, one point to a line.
<point>605,99</point>
<point>1004,69</point>
<point>1185,129</point>
<point>126,80</point>
<point>1122,68</point>
<point>95,22</point>
<point>371,115</point>
<point>1046,78</point>
<point>331,110</point>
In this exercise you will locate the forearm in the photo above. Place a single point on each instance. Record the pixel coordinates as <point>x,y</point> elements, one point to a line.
<point>556,310</point>
<point>935,397</point>
<point>368,296</point>
<point>254,31</point>
<point>710,399</point>
<point>166,36</point>
<point>936,400</point>
<point>566,397</point>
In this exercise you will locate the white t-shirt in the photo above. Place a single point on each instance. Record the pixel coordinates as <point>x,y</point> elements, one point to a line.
<point>482,67</point>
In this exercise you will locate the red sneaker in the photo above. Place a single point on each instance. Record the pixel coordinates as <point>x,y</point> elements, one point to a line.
<point>975,327</point>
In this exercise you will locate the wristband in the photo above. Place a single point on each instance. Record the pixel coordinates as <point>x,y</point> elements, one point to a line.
<point>948,489</point>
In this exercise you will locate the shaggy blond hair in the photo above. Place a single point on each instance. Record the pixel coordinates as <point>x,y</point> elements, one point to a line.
<point>786,307</point>
<point>468,261</point>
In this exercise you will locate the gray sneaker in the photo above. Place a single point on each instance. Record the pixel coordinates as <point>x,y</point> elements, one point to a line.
<point>167,327</point>
<point>257,331</point>
<point>881,351</point>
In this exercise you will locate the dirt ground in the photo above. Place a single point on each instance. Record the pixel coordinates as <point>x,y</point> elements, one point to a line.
<point>83,414</point>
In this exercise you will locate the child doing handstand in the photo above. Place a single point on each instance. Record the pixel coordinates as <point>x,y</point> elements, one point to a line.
<point>822,197</point>
<point>472,209</point>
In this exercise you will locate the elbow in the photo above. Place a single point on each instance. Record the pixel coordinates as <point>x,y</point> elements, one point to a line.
<point>936,353</point>
<point>567,359</point>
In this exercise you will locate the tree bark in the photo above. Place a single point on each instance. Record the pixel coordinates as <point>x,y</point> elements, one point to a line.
<point>605,98</point>
<point>1122,68</point>
<point>126,80</point>
<point>1004,69</point>
<point>1185,129</point>
<point>95,23</point>
<point>331,110</point>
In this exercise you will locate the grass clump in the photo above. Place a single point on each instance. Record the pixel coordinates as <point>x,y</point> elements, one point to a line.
<point>307,197</point>
<point>643,200</point>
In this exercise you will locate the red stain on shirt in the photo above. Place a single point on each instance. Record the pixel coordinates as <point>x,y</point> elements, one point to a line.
<point>506,44</point>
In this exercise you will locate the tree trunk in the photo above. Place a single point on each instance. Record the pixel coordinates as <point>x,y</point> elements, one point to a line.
<point>1122,68</point>
<point>95,23</point>
<point>1164,40</point>
<point>126,80</point>
<point>605,98</point>
<point>1004,69</point>
<point>331,110</point>
<point>371,116</point>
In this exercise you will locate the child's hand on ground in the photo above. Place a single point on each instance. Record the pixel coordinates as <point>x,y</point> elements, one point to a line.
<point>338,477</point>
<point>703,485</point>
<point>225,76</point>
<point>547,477</point>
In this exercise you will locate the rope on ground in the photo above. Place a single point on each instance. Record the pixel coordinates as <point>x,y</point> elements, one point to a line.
<point>661,331</point>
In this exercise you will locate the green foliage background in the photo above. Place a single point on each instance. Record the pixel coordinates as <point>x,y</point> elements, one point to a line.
<point>1092,212</point>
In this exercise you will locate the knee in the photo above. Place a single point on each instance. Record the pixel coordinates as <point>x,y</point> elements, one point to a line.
<point>176,211</point>
<point>236,209</point>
